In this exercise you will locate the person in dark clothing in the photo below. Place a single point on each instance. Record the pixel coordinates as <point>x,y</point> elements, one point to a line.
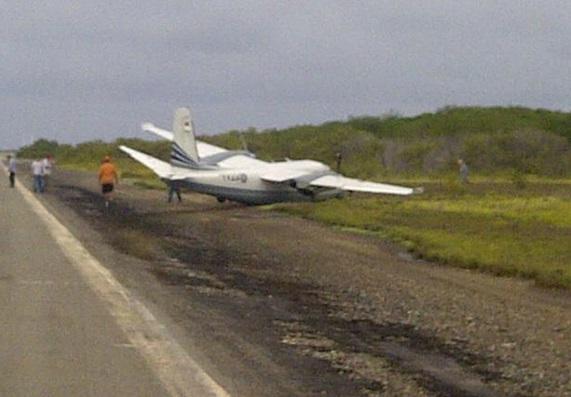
<point>174,188</point>
<point>338,160</point>
<point>463,171</point>
<point>12,169</point>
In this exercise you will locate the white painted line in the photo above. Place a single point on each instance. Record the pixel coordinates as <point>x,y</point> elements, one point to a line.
<point>36,282</point>
<point>178,372</point>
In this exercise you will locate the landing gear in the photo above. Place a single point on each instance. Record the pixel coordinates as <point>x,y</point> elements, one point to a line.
<point>220,199</point>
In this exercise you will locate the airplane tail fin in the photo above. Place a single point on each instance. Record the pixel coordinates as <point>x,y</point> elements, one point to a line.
<point>184,152</point>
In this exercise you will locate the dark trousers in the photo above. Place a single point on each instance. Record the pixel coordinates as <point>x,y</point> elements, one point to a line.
<point>12,179</point>
<point>172,191</point>
<point>39,183</point>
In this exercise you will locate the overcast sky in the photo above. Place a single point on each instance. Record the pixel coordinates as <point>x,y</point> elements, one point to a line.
<point>84,69</point>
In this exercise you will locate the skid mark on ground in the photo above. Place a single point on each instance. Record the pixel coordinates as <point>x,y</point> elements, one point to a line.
<point>314,323</point>
<point>323,326</point>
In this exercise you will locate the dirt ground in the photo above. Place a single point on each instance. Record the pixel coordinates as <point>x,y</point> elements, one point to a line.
<point>273,305</point>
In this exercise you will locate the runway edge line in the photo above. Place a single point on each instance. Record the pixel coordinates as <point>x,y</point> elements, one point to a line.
<point>178,372</point>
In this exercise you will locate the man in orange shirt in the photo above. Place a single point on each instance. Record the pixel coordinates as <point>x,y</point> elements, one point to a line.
<point>107,178</point>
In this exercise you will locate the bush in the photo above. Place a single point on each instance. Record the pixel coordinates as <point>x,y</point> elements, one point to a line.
<point>526,151</point>
<point>39,149</point>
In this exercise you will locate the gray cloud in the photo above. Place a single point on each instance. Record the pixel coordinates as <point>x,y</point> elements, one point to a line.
<point>77,70</point>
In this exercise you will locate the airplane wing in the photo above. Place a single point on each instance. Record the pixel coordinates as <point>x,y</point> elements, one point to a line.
<point>204,149</point>
<point>357,185</point>
<point>281,175</point>
<point>159,167</point>
<point>331,180</point>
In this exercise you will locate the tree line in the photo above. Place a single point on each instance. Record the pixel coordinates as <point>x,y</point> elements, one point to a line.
<point>492,140</point>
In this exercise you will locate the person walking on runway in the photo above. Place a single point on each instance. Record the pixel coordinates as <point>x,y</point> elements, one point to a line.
<point>108,178</point>
<point>38,174</point>
<point>12,169</point>
<point>48,163</point>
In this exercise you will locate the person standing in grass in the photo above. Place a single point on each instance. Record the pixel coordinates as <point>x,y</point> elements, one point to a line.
<point>108,178</point>
<point>38,174</point>
<point>12,169</point>
<point>463,171</point>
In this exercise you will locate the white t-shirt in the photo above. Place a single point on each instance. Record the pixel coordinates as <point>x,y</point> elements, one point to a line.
<point>47,166</point>
<point>38,167</point>
<point>12,165</point>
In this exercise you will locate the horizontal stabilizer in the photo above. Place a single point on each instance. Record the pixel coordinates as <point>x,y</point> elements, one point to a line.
<point>159,167</point>
<point>356,185</point>
<point>204,149</point>
<point>150,127</point>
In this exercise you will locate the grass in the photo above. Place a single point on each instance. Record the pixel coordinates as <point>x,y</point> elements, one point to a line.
<point>492,227</point>
<point>496,224</point>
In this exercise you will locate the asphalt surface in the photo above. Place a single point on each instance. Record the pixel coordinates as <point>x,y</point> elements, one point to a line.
<point>69,327</point>
<point>56,336</point>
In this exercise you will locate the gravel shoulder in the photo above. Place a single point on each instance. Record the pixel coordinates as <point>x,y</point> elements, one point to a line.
<point>281,306</point>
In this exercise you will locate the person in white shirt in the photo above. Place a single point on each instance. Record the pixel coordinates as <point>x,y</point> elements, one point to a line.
<point>47,162</point>
<point>12,169</point>
<point>38,174</point>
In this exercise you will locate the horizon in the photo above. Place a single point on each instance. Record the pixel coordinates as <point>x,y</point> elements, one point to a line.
<point>393,113</point>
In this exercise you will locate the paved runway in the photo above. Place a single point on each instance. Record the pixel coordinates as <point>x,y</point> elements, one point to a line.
<point>57,337</point>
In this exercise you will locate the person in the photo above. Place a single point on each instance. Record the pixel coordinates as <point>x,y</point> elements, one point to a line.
<point>174,188</point>
<point>12,170</point>
<point>338,159</point>
<point>38,174</point>
<point>108,178</point>
<point>463,171</point>
<point>48,165</point>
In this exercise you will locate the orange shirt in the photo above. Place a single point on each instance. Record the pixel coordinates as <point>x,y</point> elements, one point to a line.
<point>107,173</point>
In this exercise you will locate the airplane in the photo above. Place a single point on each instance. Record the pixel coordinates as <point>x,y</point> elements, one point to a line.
<point>237,175</point>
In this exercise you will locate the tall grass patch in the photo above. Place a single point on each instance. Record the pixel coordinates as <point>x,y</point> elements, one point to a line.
<point>525,235</point>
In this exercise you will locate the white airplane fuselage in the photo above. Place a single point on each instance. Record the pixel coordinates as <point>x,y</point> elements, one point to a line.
<point>245,185</point>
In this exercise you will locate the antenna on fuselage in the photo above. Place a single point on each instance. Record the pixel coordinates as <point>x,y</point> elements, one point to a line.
<point>243,142</point>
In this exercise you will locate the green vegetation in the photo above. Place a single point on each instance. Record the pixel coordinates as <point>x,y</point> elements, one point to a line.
<point>491,140</point>
<point>495,227</point>
<point>87,157</point>
<point>508,141</point>
<point>454,120</point>
<point>513,219</point>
